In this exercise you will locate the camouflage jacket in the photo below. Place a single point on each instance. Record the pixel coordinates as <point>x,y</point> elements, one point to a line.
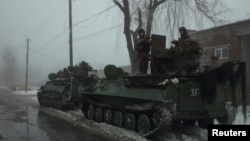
<point>142,45</point>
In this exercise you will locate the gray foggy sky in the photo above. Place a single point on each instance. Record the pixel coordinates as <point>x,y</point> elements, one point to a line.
<point>45,22</point>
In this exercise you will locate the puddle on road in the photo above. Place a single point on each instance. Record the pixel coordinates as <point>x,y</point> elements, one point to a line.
<point>35,125</point>
<point>65,131</point>
<point>15,126</point>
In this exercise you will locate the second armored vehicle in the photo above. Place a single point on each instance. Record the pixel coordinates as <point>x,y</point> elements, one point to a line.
<point>64,87</point>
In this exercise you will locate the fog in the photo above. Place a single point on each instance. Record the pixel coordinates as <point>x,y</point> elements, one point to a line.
<point>97,36</point>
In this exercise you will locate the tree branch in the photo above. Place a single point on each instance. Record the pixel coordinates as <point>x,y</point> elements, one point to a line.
<point>139,19</point>
<point>119,5</point>
<point>155,4</point>
<point>208,10</point>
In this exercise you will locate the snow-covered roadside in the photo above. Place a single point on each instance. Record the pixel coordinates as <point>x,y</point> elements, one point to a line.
<point>77,118</point>
<point>33,91</point>
<point>239,117</point>
<point>239,120</point>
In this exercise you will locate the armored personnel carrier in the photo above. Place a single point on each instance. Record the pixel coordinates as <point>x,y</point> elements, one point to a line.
<point>63,88</point>
<point>178,89</point>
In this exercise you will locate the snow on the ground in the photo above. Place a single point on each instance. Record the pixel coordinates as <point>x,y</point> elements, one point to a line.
<point>33,91</point>
<point>239,120</point>
<point>239,117</point>
<point>119,133</point>
<point>188,134</point>
<point>113,131</point>
<point>191,134</point>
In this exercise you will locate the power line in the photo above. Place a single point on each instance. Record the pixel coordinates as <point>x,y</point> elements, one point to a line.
<point>52,14</point>
<point>57,48</point>
<point>105,30</point>
<point>84,20</point>
<point>50,41</point>
<point>57,36</point>
<point>90,23</point>
<point>48,56</point>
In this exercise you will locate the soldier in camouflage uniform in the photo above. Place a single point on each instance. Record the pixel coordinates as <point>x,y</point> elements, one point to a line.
<point>187,52</point>
<point>183,40</point>
<point>143,48</point>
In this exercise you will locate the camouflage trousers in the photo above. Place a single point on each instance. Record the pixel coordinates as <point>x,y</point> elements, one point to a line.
<point>142,62</point>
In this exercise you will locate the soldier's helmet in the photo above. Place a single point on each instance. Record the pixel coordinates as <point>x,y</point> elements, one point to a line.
<point>182,29</point>
<point>141,31</point>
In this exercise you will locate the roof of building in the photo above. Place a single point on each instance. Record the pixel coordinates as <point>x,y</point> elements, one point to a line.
<point>247,21</point>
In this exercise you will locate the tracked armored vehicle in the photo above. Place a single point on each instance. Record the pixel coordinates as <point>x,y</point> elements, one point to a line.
<point>177,90</point>
<point>63,88</point>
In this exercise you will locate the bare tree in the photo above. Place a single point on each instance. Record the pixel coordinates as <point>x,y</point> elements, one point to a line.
<point>9,61</point>
<point>166,15</point>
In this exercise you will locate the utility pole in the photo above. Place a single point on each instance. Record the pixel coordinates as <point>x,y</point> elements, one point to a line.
<point>27,60</point>
<point>12,69</point>
<point>70,34</point>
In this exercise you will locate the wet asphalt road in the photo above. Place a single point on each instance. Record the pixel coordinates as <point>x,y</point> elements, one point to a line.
<point>22,120</point>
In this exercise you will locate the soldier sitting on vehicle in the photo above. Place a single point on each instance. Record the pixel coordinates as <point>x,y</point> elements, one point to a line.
<point>186,54</point>
<point>183,40</point>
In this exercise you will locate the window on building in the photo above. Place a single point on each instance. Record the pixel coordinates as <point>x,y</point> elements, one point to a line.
<point>221,53</point>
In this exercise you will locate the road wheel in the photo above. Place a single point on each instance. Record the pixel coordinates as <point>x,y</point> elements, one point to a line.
<point>117,119</point>
<point>58,103</point>
<point>46,101</point>
<point>49,102</point>
<point>98,114</point>
<point>143,124</point>
<point>107,116</point>
<point>129,121</point>
<point>53,103</point>
<point>91,112</point>
<point>42,101</point>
